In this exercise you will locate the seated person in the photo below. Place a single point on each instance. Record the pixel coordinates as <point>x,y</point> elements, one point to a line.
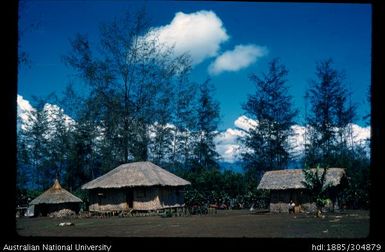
<point>291,206</point>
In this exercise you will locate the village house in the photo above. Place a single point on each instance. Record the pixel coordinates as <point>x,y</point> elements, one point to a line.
<point>55,199</point>
<point>286,186</point>
<point>137,186</point>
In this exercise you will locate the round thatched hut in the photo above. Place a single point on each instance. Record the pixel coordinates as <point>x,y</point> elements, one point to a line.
<point>286,185</point>
<point>138,186</point>
<point>55,199</point>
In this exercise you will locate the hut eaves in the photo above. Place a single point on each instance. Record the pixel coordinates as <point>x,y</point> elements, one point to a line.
<point>292,178</point>
<point>136,174</point>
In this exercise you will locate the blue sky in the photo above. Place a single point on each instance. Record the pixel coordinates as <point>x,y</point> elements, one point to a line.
<point>299,33</point>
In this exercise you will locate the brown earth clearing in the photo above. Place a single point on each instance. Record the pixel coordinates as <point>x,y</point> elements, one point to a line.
<point>226,223</point>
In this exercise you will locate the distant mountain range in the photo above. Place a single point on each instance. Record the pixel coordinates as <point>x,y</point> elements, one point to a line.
<point>235,166</point>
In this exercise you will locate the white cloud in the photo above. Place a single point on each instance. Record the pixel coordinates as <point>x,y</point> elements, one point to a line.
<point>230,148</point>
<point>26,116</point>
<point>53,111</point>
<point>360,134</point>
<point>227,144</point>
<point>245,123</point>
<point>297,140</point>
<point>229,136</point>
<point>199,34</point>
<point>24,112</point>
<point>241,57</point>
<point>229,153</point>
<point>23,108</point>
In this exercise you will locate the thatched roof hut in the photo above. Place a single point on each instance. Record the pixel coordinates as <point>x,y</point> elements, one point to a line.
<point>55,199</point>
<point>292,179</point>
<point>286,185</point>
<point>136,174</point>
<point>139,185</point>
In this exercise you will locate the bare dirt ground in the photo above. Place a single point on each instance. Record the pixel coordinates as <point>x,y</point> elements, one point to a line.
<point>226,223</point>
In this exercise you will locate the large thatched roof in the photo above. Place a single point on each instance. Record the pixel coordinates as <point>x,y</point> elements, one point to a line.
<point>292,179</point>
<point>136,174</point>
<point>55,195</point>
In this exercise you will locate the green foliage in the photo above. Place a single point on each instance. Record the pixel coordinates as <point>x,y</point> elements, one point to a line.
<point>130,95</point>
<point>24,196</point>
<point>330,133</point>
<point>194,197</point>
<point>315,183</point>
<point>84,196</point>
<point>355,192</point>
<point>131,84</point>
<point>140,105</point>
<point>184,118</point>
<point>42,145</point>
<point>205,155</point>
<point>271,106</point>
<point>223,189</point>
<point>330,117</point>
<point>166,214</point>
<point>256,199</point>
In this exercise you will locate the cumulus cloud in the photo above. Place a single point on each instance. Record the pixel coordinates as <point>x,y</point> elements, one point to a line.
<point>199,34</point>
<point>227,144</point>
<point>53,111</point>
<point>360,134</point>
<point>241,57</point>
<point>24,112</point>
<point>229,153</point>
<point>230,148</point>
<point>297,140</point>
<point>245,123</point>
<point>26,117</point>
<point>23,108</point>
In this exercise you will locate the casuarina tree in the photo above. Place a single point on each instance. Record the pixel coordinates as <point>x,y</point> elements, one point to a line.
<point>267,146</point>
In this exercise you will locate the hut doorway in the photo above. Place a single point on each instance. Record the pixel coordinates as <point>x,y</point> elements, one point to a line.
<point>130,198</point>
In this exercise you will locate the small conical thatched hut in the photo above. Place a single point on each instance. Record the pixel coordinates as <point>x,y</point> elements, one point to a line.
<point>55,199</point>
<point>139,186</point>
<point>286,185</point>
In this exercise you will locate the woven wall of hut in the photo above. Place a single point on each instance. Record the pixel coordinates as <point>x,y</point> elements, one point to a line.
<point>146,198</point>
<point>108,200</point>
<point>143,198</point>
<point>279,201</point>
<point>45,209</point>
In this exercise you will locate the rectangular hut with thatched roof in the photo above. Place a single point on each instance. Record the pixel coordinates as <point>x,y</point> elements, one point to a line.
<point>54,200</point>
<point>286,186</point>
<point>137,186</point>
